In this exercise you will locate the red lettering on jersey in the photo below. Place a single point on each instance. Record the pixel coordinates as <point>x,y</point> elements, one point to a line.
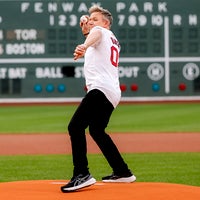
<point>114,57</point>
<point>114,41</point>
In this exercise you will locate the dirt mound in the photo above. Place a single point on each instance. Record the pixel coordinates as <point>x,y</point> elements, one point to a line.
<point>50,190</point>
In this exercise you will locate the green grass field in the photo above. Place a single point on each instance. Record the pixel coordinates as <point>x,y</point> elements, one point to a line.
<point>126,118</point>
<point>181,168</point>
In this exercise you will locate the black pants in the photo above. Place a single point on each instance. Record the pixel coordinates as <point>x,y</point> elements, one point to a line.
<point>94,111</point>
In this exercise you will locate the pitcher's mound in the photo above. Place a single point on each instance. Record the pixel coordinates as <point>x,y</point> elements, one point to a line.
<point>50,190</point>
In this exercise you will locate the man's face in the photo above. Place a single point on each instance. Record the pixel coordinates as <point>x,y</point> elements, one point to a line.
<point>97,19</point>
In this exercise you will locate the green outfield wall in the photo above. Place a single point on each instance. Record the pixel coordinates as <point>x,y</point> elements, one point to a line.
<point>160,49</point>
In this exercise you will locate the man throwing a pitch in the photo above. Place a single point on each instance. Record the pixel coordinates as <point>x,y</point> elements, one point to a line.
<point>101,52</point>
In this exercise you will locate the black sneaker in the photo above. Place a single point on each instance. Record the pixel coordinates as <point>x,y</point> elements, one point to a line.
<point>78,182</point>
<point>125,178</point>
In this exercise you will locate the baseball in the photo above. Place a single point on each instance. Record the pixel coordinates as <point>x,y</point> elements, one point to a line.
<point>83,19</point>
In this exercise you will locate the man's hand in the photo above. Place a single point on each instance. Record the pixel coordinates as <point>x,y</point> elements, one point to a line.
<point>84,25</point>
<point>79,51</point>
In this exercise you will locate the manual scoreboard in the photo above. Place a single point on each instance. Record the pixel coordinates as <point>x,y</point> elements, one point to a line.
<point>159,58</point>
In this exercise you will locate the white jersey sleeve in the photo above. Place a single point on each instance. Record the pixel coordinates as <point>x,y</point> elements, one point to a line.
<point>101,66</point>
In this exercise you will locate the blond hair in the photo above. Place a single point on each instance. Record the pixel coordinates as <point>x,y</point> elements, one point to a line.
<point>106,14</point>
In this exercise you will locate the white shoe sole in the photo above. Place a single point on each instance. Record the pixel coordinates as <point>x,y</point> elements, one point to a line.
<point>121,180</point>
<point>83,185</point>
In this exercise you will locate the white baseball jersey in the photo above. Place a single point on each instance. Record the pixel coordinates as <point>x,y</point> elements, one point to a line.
<point>101,66</point>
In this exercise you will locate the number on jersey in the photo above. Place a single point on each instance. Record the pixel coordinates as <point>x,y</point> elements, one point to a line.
<point>114,57</point>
